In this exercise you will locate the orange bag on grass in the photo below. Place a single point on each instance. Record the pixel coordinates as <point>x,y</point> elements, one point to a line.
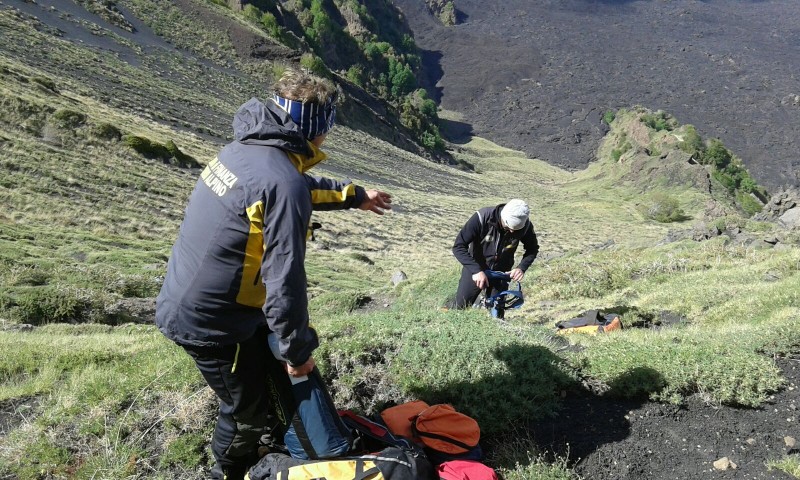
<point>443,429</point>
<point>398,418</point>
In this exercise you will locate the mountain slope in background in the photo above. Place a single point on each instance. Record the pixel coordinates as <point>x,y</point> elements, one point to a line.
<point>101,131</point>
<point>538,76</point>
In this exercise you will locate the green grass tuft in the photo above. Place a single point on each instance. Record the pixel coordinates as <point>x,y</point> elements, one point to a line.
<point>789,464</point>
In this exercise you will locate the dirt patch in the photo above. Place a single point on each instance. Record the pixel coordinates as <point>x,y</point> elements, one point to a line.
<point>375,303</point>
<point>16,411</point>
<point>610,438</point>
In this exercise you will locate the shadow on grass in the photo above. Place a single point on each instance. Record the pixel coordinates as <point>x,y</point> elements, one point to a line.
<point>541,404</point>
<point>457,132</point>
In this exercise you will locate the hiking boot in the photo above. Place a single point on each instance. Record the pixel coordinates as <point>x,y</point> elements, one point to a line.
<point>231,473</point>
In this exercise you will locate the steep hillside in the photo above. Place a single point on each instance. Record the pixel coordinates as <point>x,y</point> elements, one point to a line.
<point>538,76</point>
<point>154,65</point>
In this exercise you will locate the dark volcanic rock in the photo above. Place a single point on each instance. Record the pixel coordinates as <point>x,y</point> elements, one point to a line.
<point>537,76</point>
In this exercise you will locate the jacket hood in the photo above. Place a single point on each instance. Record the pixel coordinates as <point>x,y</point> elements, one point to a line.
<point>257,123</point>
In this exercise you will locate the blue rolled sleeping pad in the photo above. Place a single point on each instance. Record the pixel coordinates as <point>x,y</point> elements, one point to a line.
<point>506,299</point>
<point>316,431</point>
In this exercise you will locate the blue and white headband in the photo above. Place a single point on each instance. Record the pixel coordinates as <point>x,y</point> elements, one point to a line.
<point>314,119</point>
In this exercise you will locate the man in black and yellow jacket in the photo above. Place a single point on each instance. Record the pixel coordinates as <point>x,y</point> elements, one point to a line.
<point>488,241</point>
<point>237,270</point>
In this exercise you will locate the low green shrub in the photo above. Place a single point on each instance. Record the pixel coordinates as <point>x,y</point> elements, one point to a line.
<point>448,14</point>
<point>46,83</point>
<point>179,158</point>
<point>716,154</point>
<point>186,451</point>
<point>356,75</point>
<point>748,204</point>
<point>106,131</point>
<point>66,118</point>
<point>29,275</point>
<point>145,146</point>
<point>361,258</point>
<point>609,116</point>
<point>659,121</point>
<point>43,459</point>
<point>169,153</point>
<point>47,304</point>
<point>315,65</point>
<point>662,208</point>
<point>789,464</point>
<point>692,142</point>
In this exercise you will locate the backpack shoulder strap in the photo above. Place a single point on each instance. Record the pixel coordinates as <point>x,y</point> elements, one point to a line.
<point>374,430</point>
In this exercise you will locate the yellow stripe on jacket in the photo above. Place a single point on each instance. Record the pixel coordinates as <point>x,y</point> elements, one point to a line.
<point>332,196</point>
<point>252,291</point>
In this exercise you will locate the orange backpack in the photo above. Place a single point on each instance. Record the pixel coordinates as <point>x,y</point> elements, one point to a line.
<point>398,418</point>
<point>442,428</point>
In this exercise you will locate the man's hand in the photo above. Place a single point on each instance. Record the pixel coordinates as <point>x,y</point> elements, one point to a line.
<point>301,370</point>
<point>377,202</point>
<point>481,280</point>
<point>517,275</point>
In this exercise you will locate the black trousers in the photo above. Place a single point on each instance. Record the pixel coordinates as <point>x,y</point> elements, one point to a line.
<point>237,374</point>
<point>468,292</point>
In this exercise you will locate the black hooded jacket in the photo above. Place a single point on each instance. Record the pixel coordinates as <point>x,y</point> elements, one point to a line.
<point>239,258</point>
<point>483,244</point>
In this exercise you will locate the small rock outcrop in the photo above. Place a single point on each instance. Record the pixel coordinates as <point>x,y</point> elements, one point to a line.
<point>785,203</point>
<point>399,277</point>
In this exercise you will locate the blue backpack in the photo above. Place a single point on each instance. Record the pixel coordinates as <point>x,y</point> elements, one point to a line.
<point>504,300</point>
<point>304,419</point>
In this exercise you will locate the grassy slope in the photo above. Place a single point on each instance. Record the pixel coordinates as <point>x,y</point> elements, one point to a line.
<point>89,220</point>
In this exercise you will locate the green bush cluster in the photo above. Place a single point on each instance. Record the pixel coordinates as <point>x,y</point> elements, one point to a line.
<point>47,304</point>
<point>726,169</point>
<point>662,208</point>
<point>659,121</point>
<point>29,116</point>
<point>731,174</point>
<point>46,83</point>
<point>448,14</point>
<point>260,16</point>
<point>169,152</point>
<point>42,293</point>
<point>609,116</point>
<point>418,114</point>
<point>314,64</point>
<point>383,61</point>
<point>106,131</point>
<point>692,142</point>
<point>187,450</point>
<point>65,118</point>
<point>750,205</point>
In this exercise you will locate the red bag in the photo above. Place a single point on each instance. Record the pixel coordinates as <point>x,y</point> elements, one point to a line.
<point>465,470</point>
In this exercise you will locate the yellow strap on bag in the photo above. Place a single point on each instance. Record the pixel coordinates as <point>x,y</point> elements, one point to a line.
<point>334,470</point>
